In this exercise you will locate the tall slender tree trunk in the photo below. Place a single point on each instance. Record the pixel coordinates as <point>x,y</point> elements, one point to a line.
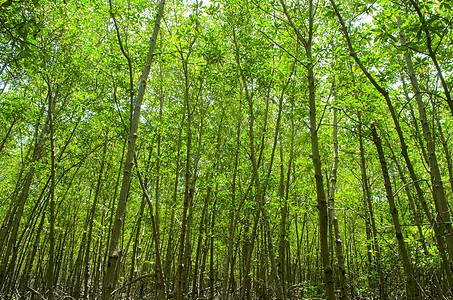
<point>158,163</point>
<point>333,218</point>
<point>321,196</point>
<point>233,217</point>
<point>211,247</point>
<point>370,219</point>
<point>169,252</point>
<point>286,186</point>
<point>260,189</point>
<point>411,287</point>
<point>307,42</point>
<point>51,262</point>
<point>283,259</point>
<point>199,245</point>
<point>92,214</point>
<point>188,195</point>
<point>160,277</point>
<point>109,279</point>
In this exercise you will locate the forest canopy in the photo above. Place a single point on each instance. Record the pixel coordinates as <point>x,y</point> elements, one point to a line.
<point>226,149</point>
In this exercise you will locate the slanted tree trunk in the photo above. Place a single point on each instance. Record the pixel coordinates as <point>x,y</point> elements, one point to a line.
<point>370,220</point>
<point>135,247</point>
<point>447,151</point>
<point>415,212</point>
<point>31,256</point>
<point>109,279</point>
<point>411,287</point>
<point>160,277</point>
<point>438,190</point>
<point>431,53</point>
<point>10,226</point>
<point>7,134</point>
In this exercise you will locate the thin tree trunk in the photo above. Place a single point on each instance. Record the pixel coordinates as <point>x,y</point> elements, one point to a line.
<point>447,151</point>
<point>333,218</point>
<point>92,214</point>
<point>211,246</point>
<point>51,262</point>
<point>370,220</point>
<point>188,182</point>
<point>432,55</point>
<point>109,279</point>
<point>158,163</point>
<point>233,217</point>
<point>282,258</point>
<point>201,231</point>
<point>284,192</point>
<point>7,135</point>
<point>78,268</point>
<point>411,287</point>
<point>161,289</point>
<point>260,189</point>
<point>169,253</point>
<point>316,160</point>
<point>135,247</point>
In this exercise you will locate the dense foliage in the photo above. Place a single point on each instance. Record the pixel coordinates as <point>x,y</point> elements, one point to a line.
<point>285,149</point>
